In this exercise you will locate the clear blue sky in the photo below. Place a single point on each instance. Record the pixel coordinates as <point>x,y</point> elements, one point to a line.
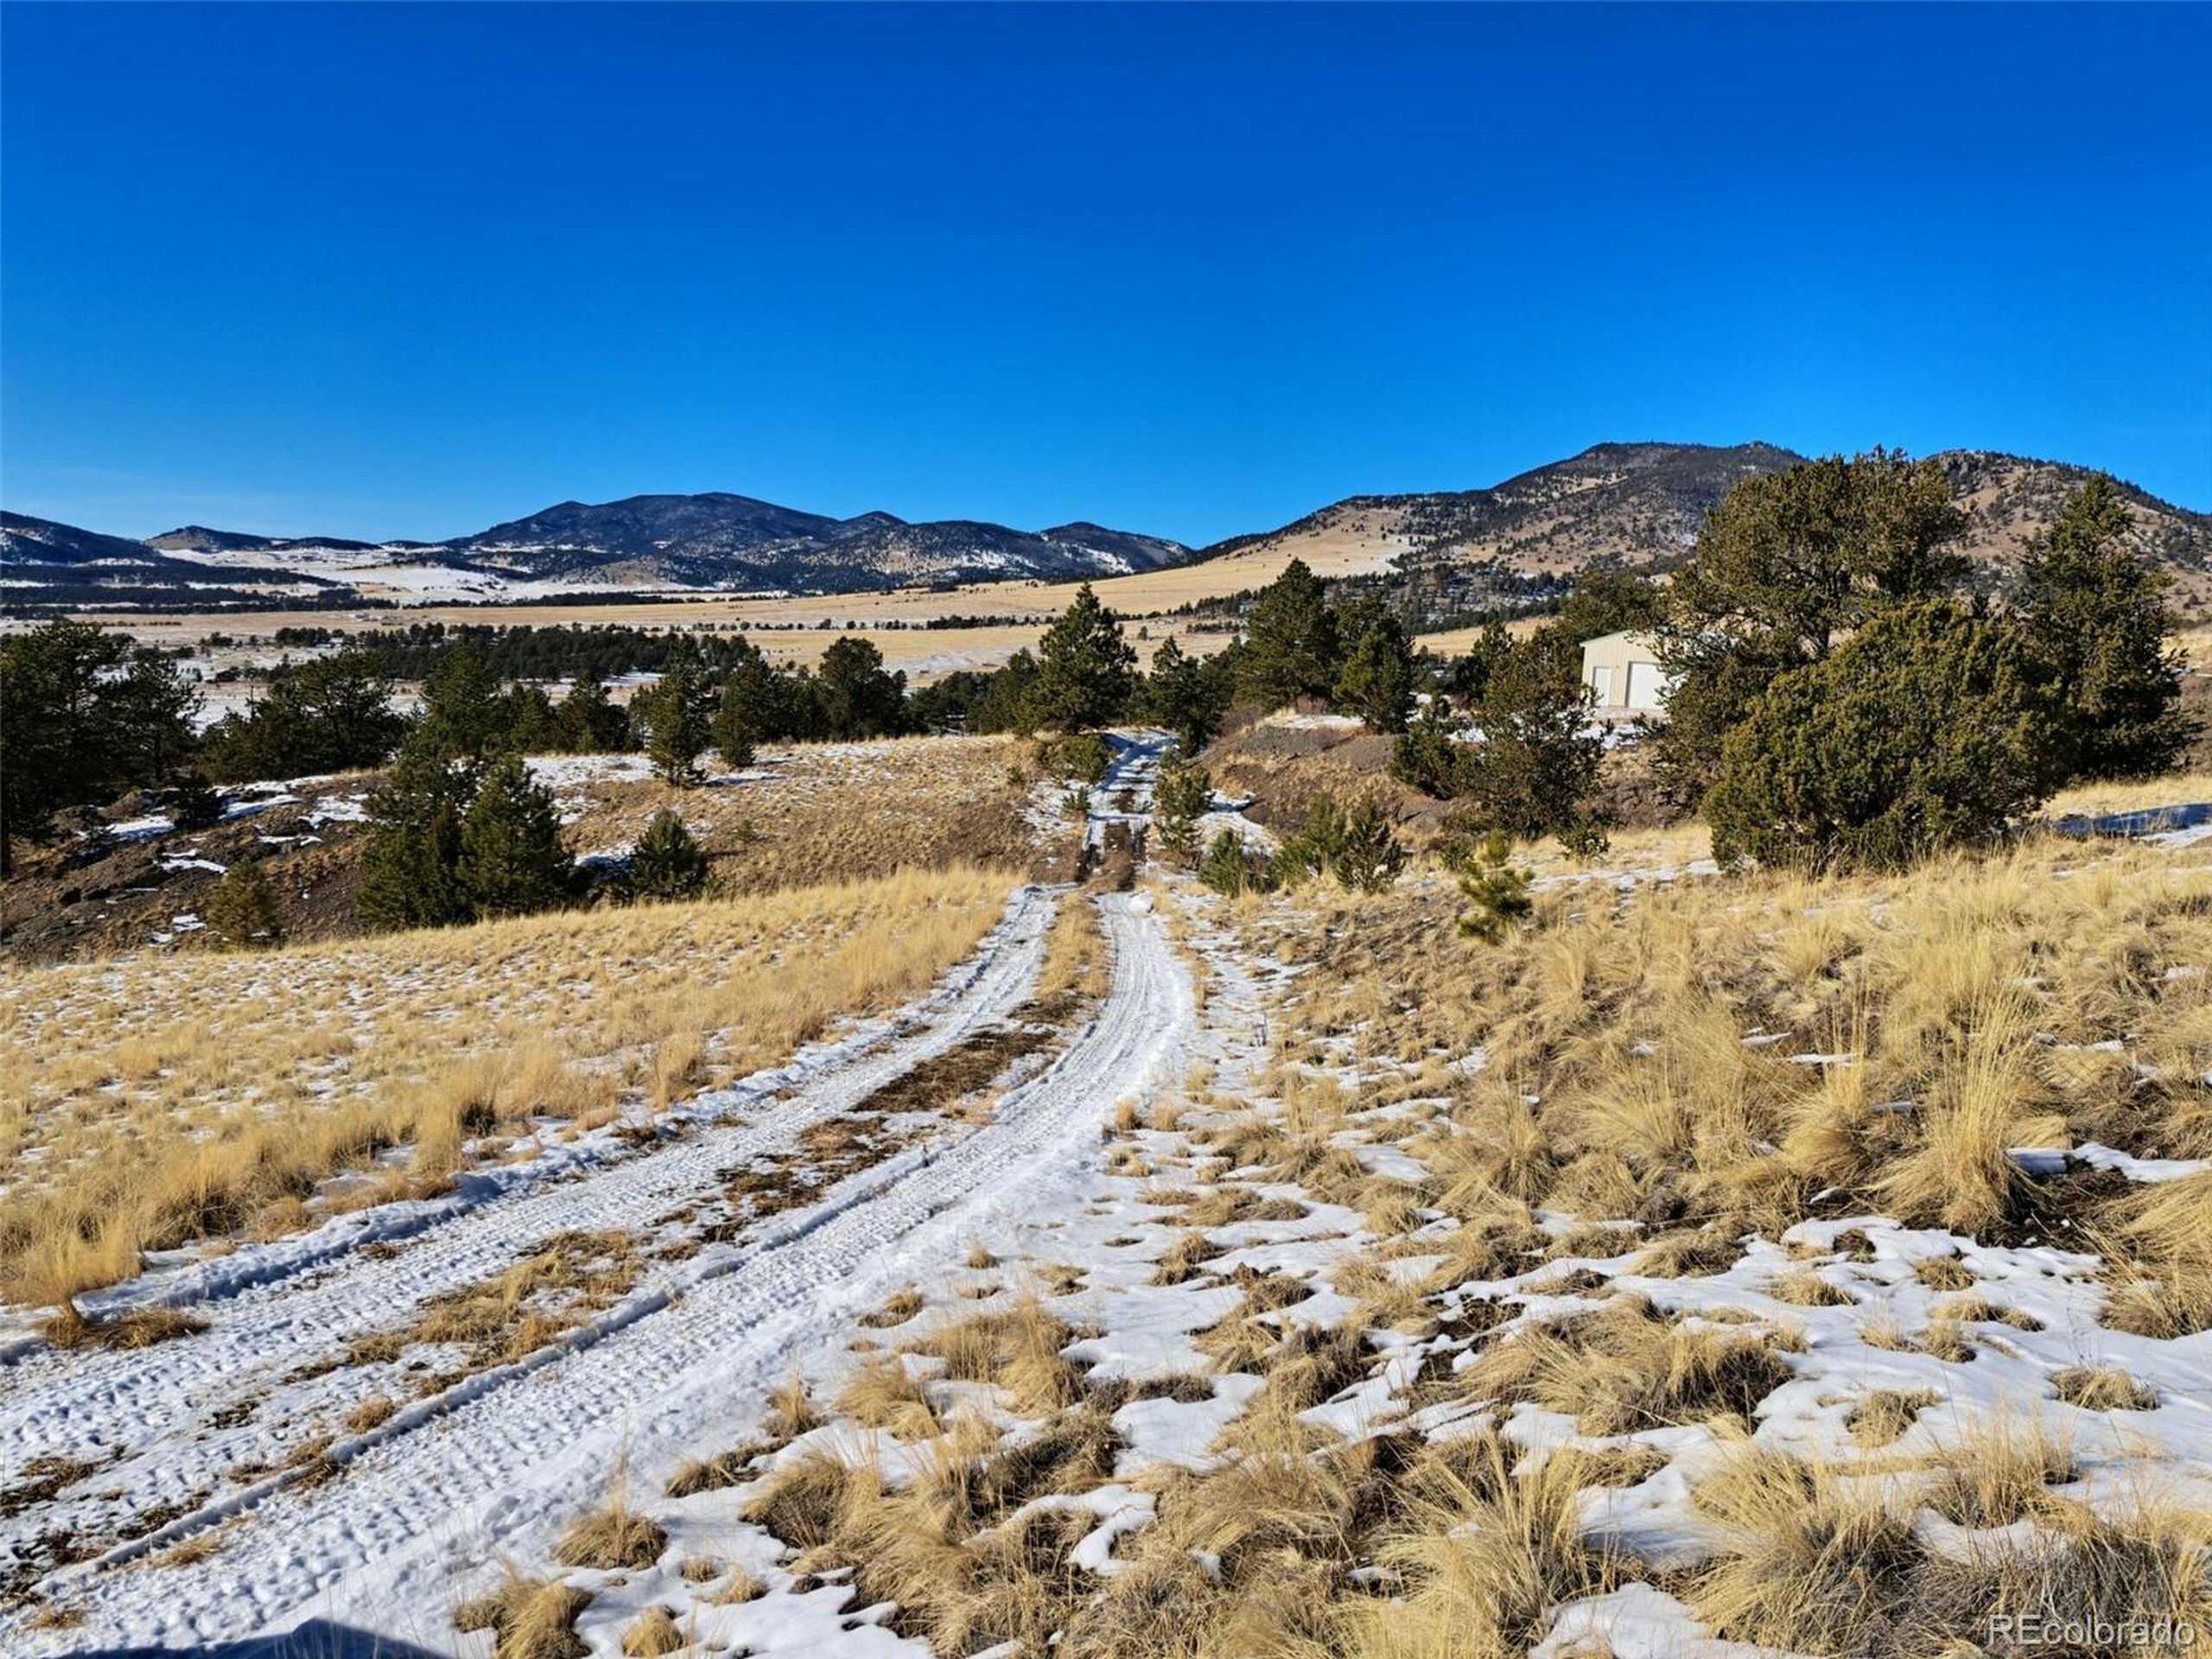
<point>411,270</point>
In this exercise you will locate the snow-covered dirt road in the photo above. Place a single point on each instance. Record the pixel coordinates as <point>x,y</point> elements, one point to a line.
<point>250,1435</point>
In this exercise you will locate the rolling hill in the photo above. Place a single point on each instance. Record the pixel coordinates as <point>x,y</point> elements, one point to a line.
<point>714,540</point>
<point>1613,505</point>
<point>1628,505</point>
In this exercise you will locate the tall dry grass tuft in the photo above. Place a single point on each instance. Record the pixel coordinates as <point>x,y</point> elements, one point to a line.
<point>1019,1348</point>
<point>1811,1560</point>
<point>2157,1251</point>
<point>1488,1548</point>
<point>1625,1367</point>
<point>614,1535</point>
<point>530,1618</point>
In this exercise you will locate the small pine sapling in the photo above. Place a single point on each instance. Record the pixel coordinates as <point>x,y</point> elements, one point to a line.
<point>1497,892</point>
<point>1183,795</point>
<point>194,804</point>
<point>243,910</point>
<point>666,863</point>
<point>1230,868</point>
<point>1366,857</point>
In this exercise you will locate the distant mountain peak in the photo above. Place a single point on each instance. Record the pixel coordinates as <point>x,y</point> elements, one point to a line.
<point>1621,503</point>
<point>1629,504</point>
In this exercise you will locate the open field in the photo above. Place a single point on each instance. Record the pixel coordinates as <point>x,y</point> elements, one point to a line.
<point>1806,1265</point>
<point>1011,614</point>
<point>1815,1265</point>
<point>200,1095</point>
<point>1145,594</point>
<point>922,654</point>
<point>828,811</point>
<point>701,1256</point>
<point>800,816</point>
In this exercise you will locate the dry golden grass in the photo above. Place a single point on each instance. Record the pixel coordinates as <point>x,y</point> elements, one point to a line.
<point>2095,1388</point>
<point>2099,800</point>
<point>1016,1348</point>
<point>1619,1087</point>
<point>153,1102</point>
<point>839,812</point>
<point>1880,1418</point>
<point>1624,1367</point>
<point>1813,1560</point>
<point>1671,1075</point>
<point>1986,994</point>
<point>1487,1550</point>
<point>612,1538</point>
<point>2160,1260</point>
<point>653,1633</point>
<point>1076,966</point>
<point>531,1618</point>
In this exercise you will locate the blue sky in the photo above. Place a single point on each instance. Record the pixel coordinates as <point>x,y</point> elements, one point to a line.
<point>408,271</point>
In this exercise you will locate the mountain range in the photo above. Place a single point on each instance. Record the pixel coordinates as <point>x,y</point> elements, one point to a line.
<point>715,541</point>
<point>1640,504</point>
<point>1614,504</point>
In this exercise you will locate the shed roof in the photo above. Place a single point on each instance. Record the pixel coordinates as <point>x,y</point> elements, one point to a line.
<point>1624,636</point>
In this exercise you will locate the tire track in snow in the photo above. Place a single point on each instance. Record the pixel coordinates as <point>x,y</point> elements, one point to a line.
<point>381,1548</point>
<point>164,1404</point>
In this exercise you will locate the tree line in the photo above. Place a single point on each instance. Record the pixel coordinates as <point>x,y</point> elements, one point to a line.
<point>1841,697</point>
<point>1839,703</point>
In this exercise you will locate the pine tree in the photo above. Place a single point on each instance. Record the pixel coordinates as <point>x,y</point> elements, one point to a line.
<point>1004,704</point>
<point>81,722</point>
<point>333,714</point>
<point>1182,797</point>
<point>148,713</point>
<point>1497,892</point>
<point>1608,601</point>
<point>590,721</point>
<point>676,724</point>
<point>1376,681</point>
<point>1535,770</point>
<point>761,700</point>
<point>410,870</point>
<point>243,910</point>
<point>1368,857</point>
<point>1085,670</point>
<point>1182,696</point>
<point>2095,617</point>
<point>1316,845</point>
<point>511,861</point>
<point>51,754</point>
<point>1469,676</point>
<point>462,713</point>
<point>526,722</point>
<point>1929,729</point>
<point>1426,756</point>
<point>1786,566</point>
<point>863,699</point>
<point>1290,641</point>
<point>666,863</point>
<point>733,729</point>
<point>1231,868</point>
<point>194,804</point>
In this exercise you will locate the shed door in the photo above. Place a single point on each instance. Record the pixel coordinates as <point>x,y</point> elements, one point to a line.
<point>1646,686</point>
<point>1601,685</point>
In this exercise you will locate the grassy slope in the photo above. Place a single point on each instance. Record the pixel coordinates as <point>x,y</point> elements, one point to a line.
<point>1603,1255</point>
<point>200,1095</point>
